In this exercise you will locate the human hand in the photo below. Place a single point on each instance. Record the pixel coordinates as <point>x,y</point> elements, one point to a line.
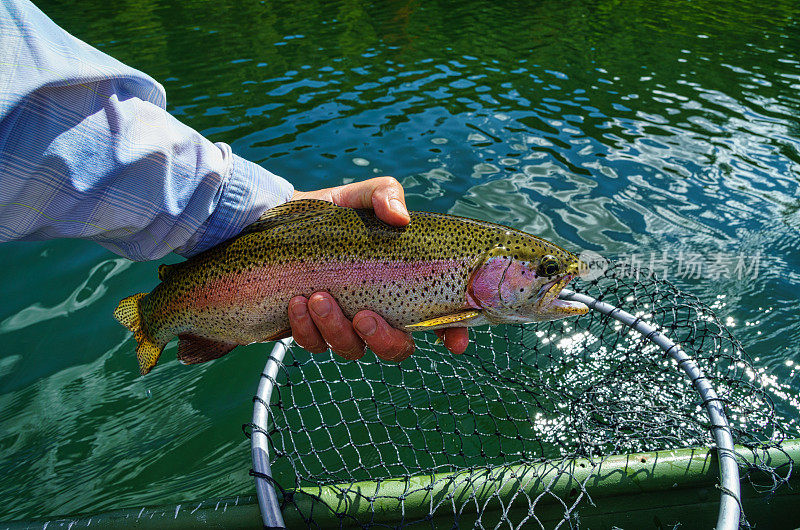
<point>318,322</point>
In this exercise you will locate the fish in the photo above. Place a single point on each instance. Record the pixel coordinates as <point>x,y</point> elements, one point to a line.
<point>437,272</point>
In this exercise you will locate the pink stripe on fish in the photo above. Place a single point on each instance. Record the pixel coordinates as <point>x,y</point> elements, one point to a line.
<point>278,282</point>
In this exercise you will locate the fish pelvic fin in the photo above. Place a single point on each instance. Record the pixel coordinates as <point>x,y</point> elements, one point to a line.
<point>464,318</point>
<point>282,334</point>
<point>129,315</point>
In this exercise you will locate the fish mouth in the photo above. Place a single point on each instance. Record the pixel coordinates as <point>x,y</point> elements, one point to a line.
<point>554,307</point>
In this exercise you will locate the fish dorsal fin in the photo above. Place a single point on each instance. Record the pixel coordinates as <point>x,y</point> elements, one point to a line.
<point>165,270</point>
<point>290,211</point>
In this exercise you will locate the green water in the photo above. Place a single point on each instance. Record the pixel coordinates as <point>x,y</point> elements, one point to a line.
<point>619,127</point>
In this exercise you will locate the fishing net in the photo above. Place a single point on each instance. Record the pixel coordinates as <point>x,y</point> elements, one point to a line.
<point>507,434</point>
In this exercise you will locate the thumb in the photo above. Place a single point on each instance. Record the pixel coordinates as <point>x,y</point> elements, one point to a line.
<point>383,194</point>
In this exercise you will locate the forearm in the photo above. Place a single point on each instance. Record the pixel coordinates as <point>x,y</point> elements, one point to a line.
<point>88,150</point>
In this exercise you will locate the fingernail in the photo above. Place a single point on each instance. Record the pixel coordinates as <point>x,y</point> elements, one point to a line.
<point>320,305</point>
<point>297,309</point>
<point>397,207</point>
<point>366,326</point>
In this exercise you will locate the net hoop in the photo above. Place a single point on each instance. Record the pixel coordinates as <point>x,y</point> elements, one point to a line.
<point>730,501</point>
<point>268,503</point>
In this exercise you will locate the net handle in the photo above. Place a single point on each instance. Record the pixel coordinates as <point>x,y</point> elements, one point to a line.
<point>730,501</point>
<point>271,514</point>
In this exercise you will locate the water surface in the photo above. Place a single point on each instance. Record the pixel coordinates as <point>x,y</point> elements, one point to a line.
<point>630,129</point>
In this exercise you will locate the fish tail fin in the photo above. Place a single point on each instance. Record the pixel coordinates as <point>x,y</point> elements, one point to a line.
<point>129,315</point>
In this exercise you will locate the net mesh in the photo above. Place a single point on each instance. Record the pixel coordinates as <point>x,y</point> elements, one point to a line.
<point>521,395</point>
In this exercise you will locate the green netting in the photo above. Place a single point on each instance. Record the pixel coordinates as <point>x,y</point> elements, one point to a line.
<point>538,396</point>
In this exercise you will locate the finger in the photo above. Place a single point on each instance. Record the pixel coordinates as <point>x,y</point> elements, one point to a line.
<point>320,195</point>
<point>388,343</point>
<point>383,194</point>
<point>334,327</point>
<point>304,331</point>
<point>455,339</point>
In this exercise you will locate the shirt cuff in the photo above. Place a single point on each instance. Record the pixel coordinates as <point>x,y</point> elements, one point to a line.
<point>245,195</point>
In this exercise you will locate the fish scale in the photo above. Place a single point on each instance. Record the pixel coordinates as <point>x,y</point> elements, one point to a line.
<point>438,271</point>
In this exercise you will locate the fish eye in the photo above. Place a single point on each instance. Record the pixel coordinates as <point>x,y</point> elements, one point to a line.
<point>549,266</point>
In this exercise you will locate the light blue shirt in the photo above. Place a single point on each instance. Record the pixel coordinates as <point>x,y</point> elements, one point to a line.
<point>87,150</point>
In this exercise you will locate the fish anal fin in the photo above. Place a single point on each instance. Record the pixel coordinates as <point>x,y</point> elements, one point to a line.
<point>288,212</point>
<point>193,349</point>
<point>461,318</point>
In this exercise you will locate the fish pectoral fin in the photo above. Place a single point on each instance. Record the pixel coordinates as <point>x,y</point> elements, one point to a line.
<point>194,350</point>
<point>288,212</point>
<point>445,321</point>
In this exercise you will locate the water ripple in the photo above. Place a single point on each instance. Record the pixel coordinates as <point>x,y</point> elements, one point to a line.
<point>633,127</point>
<point>91,290</point>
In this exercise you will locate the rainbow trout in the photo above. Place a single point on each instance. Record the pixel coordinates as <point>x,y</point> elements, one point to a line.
<point>440,271</point>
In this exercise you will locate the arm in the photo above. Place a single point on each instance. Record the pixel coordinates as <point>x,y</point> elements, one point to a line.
<point>87,150</point>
